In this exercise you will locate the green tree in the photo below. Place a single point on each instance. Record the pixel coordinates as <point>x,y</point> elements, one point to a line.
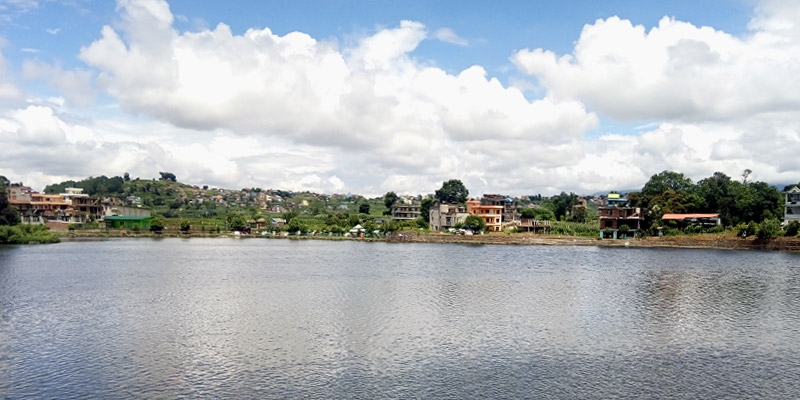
<point>756,201</point>
<point>580,214</point>
<point>168,176</point>
<point>363,208</point>
<point>538,213</point>
<point>236,221</point>
<point>8,214</point>
<point>369,227</point>
<point>666,180</point>
<point>297,226</point>
<point>717,193</point>
<point>425,208</point>
<point>389,199</point>
<point>452,192</point>
<point>185,225</point>
<point>475,223</point>
<point>126,177</point>
<point>562,204</point>
<point>421,222</point>
<point>289,216</point>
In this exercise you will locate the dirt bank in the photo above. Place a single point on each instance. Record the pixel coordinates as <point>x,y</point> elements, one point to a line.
<point>708,241</point>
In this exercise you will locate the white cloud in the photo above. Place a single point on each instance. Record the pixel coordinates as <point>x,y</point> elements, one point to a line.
<point>676,71</point>
<point>75,84</point>
<point>371,102</point>
<point>9,92</point>
<point>294,112</point>
<point>448,36</point>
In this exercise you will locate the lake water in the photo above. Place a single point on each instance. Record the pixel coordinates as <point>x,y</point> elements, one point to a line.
<point>227,318</point>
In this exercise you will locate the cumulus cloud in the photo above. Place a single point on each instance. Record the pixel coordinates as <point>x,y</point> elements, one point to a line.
<point>675,71</point>
<point>295,112</point>
<point>373,100</point>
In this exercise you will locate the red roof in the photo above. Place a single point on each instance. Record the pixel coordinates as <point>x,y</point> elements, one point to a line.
<point>681,217</point>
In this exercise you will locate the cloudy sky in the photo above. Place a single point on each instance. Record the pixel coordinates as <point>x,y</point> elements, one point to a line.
<point>337,96</point>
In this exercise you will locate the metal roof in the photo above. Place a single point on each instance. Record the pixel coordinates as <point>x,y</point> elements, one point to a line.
<point>124,218</point>
<point>681,217</point>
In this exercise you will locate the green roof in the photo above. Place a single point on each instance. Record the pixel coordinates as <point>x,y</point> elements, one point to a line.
<point>123,218</point>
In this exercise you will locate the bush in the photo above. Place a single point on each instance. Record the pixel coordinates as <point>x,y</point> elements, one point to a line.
<point>792,229</point>
<point>158,224</point>
<point>25,234</point>
<point>185,226</point>
<point>745,230</point>
<point>768,229</point>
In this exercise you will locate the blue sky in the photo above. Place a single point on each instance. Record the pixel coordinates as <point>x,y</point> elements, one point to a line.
<point>493,32</point>
<point>612,92</point>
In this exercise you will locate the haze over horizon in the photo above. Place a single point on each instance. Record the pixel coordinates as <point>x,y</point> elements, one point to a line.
<point>336,97</point>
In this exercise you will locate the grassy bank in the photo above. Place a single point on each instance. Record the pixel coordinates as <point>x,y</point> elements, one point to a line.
<point>26,234</point>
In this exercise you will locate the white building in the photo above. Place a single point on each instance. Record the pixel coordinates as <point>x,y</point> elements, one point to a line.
<point>792,209</point>
<point>446,216</point>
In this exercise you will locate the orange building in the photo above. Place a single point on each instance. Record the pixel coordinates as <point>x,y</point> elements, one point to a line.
<point>492,215</point>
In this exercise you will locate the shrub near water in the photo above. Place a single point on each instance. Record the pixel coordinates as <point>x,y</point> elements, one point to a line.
<point>768,229</point>
<point>25,234</point>
<point>792,229</point>
<point>585,229</point>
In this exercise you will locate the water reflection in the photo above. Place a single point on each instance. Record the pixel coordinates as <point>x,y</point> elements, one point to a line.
<point>277,318</point>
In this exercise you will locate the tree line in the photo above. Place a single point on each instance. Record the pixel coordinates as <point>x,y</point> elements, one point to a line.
<point>737,202</point>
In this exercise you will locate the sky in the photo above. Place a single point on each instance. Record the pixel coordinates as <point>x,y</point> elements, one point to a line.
<point>342,96</point>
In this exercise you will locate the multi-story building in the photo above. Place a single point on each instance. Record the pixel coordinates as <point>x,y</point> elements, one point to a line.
<point>510,207</point>
<point>41,208</point>
<point>492,215</point>
<point>445,216</point>
<point>791,211</point>
<point>405,212</point>
<point>616,214</point>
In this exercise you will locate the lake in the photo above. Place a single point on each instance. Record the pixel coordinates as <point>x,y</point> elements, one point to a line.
<point>249,318</point>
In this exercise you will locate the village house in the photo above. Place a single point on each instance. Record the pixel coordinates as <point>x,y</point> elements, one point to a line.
<point>56,210</point>
<point>492,215</point>
<point>791,211</point>
<point>121,217</point>
<point>533,225</point>
<point>510,209</point>
<point>445,216</point>
<point>616,217</point>
<point>405,212</point>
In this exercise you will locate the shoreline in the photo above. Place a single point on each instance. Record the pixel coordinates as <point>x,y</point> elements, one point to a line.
<point>702,241</point>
